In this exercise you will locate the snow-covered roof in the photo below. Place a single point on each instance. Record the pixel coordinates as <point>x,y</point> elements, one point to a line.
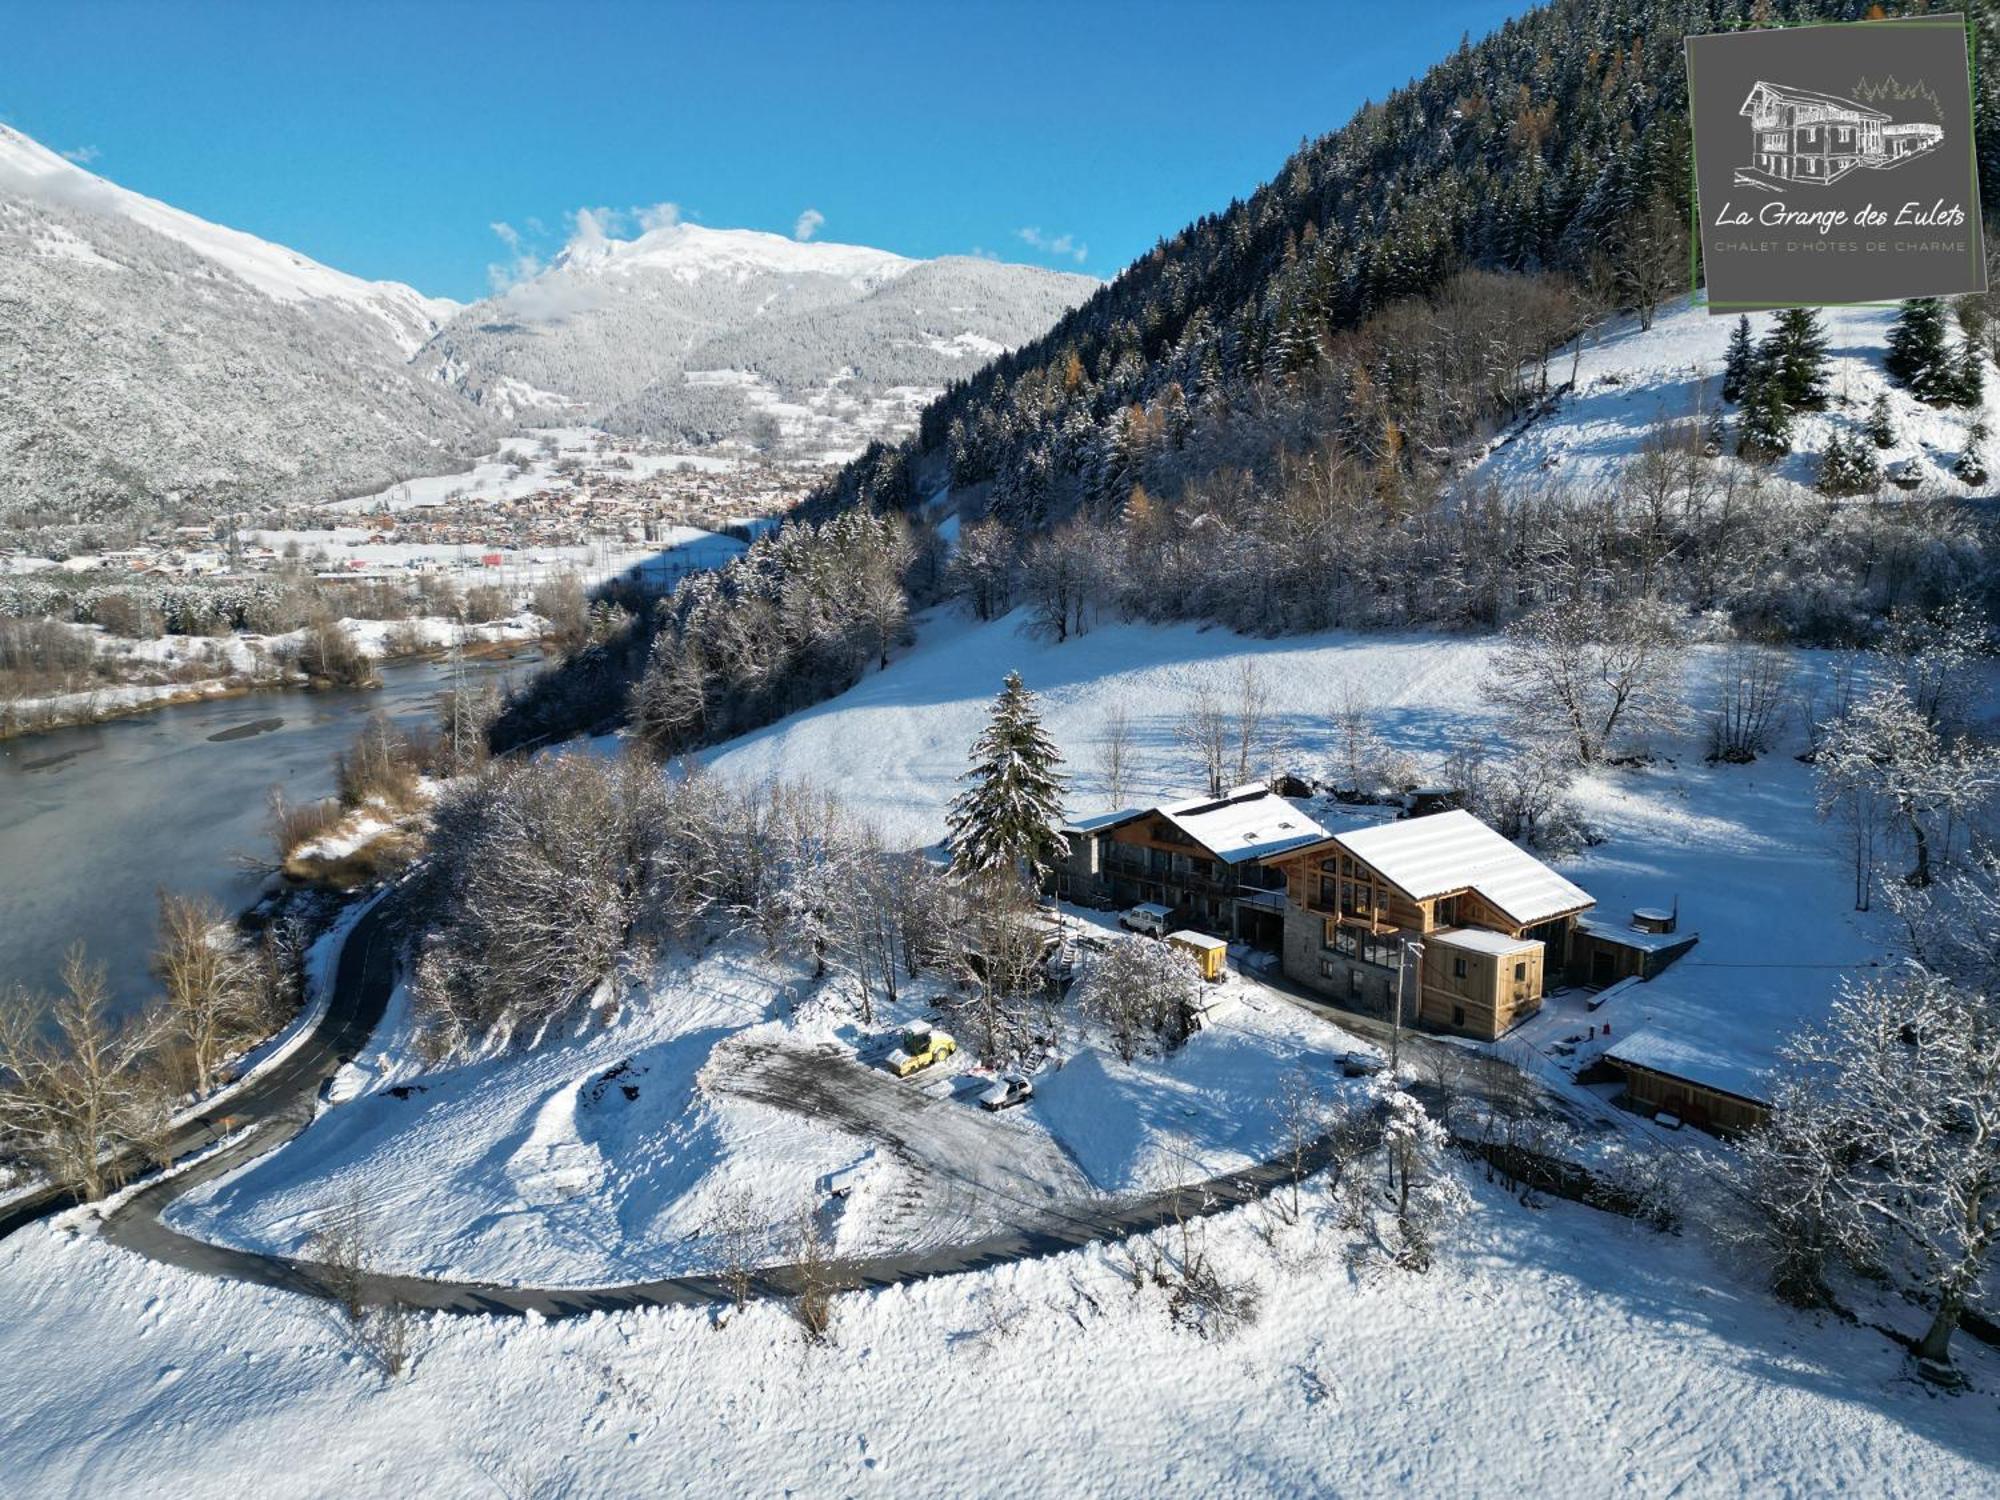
<point>1250,822</point>
<point>1193,939</point>
<point>1634,937</point>
<point>1698,1059</point>
<point>1479,940</point>
<point>1451,851</point>
<point>1104,820</point>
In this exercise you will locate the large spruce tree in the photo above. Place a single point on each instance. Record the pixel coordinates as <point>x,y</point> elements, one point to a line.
<point>1736,364</point>
<point>1920,355</point>
<point>1008,819</point>
<point>1795,355</point>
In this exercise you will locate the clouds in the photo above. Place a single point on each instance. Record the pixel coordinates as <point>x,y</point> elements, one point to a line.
<point>659,216</point>
<point>83,156</point>
<point>808,224</point>
<point>522,263</point>
<point>1058,245</point>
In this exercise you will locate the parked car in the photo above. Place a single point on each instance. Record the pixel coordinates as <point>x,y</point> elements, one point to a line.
<point>921,1047</point>
<point>1148,917</point>
<point>1362,1064</point>
<point>1012,1089</point>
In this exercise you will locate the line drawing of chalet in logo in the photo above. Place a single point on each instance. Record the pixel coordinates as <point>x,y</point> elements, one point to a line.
<point>1806,138</point>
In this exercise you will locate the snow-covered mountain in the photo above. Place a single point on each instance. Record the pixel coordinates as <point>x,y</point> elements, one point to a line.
<point>148,357</point>
<point>701,334</point>
<point>30,171</point>
<point>152,360</point>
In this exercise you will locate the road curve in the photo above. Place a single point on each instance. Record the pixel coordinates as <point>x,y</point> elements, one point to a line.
<point>280,1099</point>
<point>281,1102</point>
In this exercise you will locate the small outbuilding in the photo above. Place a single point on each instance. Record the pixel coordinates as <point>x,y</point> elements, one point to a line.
<point>1208,953</point>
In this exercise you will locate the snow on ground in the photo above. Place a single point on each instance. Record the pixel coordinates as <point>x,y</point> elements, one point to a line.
<point>591,1158</point>
<point>677,549</point>
<point>600,1157</point>
<point>1556,1352</point>
<point>1721,839</point>
<point>894,745</point>
<point>1627,381</point>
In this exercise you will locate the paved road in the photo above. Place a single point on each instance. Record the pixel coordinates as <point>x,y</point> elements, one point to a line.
<point>279,1100</point>
<point>932,1132</point>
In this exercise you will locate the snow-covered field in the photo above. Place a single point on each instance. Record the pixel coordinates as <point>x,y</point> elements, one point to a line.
<point>1722,840</point>
<point>1628,381</point>
<point>1552,1348</point>
<point>600,1157</point>
<point>1556,1352</point>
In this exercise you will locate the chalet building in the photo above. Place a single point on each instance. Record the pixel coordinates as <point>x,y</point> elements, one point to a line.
<point>1493,920</point>
<point>1803,136</point>
<point>1207,859</point>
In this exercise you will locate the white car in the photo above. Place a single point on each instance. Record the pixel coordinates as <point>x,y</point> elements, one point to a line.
<point>1012,1089</point>
<point>1148,917</point>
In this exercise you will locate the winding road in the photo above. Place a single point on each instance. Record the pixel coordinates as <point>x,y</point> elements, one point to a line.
<point>276,1105</point>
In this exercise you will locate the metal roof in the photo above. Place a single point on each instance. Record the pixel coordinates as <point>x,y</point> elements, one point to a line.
<point>1454,851</point>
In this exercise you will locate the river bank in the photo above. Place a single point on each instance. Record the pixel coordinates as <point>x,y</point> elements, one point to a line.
<point>95,819</point>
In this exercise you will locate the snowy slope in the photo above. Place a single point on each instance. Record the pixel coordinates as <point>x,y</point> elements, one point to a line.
<point>150,361</point>
<point>29,170</point>
<point>1628,380</point>
<point>1558,1353</point>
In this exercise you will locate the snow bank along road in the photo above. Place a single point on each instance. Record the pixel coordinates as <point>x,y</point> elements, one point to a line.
<point>932,1133</point>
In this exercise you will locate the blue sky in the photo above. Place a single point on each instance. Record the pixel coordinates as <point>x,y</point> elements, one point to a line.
<point>389,139</point>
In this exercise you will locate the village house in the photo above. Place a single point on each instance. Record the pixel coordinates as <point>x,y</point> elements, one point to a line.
<point>1461,924</point>
<point>1204,858</point>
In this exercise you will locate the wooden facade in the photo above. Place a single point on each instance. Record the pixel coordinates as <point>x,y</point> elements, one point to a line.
<point>1346,924</point>
<point>1698,1104</point>
<point>1148,858</point>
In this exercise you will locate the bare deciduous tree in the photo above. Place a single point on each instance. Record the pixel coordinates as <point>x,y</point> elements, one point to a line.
<point>1886,1144</point>
<point>1145,992</point>
<point>740,1239</point>
<point>211,991</point>
<point>1204,732</point>
<point>1114,753</point>
<point>1751,688</point>
<point>1585,675</point>
<point>79,1091</point>
<point>1252,728</point>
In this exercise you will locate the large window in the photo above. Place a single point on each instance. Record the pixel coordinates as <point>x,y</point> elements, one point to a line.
<point>1360,945</point>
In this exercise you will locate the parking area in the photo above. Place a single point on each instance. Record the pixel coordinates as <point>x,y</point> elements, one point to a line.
<point>966,1172</point>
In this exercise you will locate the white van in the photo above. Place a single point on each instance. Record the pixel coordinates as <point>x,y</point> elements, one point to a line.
<point>1148,917</point>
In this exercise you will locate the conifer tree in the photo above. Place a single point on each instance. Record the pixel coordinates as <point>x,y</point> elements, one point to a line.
<point>1920,356</point>
<point>1970,382</point>
<point>1795,355</point>
<point>1764,431</point>
<point>1736,365</point>
<point>1848,467</point>
<point>1007,820</point>
<point>1971,465</point>
<point>1881,427</point>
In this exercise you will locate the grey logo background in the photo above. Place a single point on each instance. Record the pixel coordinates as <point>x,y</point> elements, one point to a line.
<point>1834,164</point>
